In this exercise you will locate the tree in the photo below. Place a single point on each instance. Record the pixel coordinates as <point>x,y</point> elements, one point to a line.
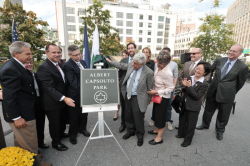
<point>216,3</point>
<point>215,36</point>
<point>29,29</point>
<point>109,38</point>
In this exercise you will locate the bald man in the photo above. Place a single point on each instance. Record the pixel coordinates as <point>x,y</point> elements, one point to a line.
<point>229,77</point>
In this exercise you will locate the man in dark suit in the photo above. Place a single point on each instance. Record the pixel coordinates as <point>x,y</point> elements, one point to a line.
<point>122,66</point>
<point>229,77</point>
<point>53,93</point>
<point>72,68</point>
<point>138,80</point>
<point>19,96</point>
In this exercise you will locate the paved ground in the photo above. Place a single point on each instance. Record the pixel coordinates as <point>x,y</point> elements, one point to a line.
<point>205,150</point>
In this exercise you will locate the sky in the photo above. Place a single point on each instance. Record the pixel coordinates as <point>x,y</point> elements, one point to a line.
<point>45,9</point>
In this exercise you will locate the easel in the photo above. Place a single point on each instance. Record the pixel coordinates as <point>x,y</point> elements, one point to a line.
<point>101,124</point>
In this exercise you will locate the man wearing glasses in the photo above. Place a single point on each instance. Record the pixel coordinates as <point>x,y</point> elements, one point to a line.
<point>188,68</point>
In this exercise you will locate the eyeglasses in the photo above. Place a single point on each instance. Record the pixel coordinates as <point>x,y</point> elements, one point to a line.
<point>193,53</point>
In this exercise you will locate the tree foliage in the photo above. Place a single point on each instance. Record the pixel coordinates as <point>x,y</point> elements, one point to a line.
<point>215,36</point>
<point>109,38</point>
<point>29,29</point>
<point>216,3</point>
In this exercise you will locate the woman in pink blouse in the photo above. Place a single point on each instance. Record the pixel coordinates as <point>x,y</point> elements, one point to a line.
<point>163,87</point>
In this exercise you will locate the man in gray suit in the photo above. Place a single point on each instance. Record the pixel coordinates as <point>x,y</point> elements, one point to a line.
<point>188,68</point>
<point>138,80</point>
<point>230,75</point>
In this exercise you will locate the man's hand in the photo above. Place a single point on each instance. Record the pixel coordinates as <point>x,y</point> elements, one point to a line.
<point>20,123</point>
<point>152,92</point>
<point>69,102</point>
<point>108,60</point>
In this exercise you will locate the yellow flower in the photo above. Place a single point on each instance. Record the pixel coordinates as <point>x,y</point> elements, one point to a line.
<point>15,156</point>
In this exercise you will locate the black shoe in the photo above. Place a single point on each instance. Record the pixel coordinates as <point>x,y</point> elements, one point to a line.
<point>140,142</point>
<point>178,136</point>
<point>86,133</point>
<point>185,144</point>
<point>152,132</point>
<point>60,147</point>
<point>65,135</point>
<point>73,141</point>
<point>122,128</point>
<point>219,136</point>
<point>43,146</point>
<point>128,135</point>
<point>153,142</point>
<point>201,127</point>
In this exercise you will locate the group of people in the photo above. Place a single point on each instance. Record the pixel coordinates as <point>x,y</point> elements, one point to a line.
<point>54,91</point>
<point>142,79</point>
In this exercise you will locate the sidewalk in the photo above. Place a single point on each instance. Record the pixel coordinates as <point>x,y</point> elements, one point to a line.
<point>205,149</point>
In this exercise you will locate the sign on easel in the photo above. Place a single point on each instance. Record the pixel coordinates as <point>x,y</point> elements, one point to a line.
<point>99,90</point>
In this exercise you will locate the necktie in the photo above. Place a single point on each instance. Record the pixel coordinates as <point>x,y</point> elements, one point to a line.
<point>79,65</point>
<point>191,68</point>
<point>224,70</point>
<point>61,72</point>
<point>130,86</point>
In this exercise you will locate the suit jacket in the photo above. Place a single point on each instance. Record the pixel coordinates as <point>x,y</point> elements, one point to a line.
<point>122,73</point>
<point>224,90</point>
<point>194,95</point>
<point>52,84</point>
<point>146,82</point>
<point>18,91</point>
<point>72,75</point>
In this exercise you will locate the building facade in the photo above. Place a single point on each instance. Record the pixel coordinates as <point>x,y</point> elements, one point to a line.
<point>142,24</point>
<point>239,15</point>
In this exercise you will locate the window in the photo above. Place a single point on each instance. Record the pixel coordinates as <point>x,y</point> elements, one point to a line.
<point>149,25</point>
<point>139,47</point>
<point>149,32</point>
<point>70,10</point>
<point>129,23</point>
<point>119,15</point>
<point>159,40</point>
<point>120,31</point>
<point>71,27</point>
<point>140,39</point>
<point>160,26</point>
<point>119,22</point>
<point>140,24</point>
<point>141,17</point>
<point>71,19</point>
<point>159,33</point>
<point>140,32</point>
<point>148,40</point>
<point>129,31</point>
<point>121,39</point>
<point>167,20</point>
<point>129,15</point>
<point>158,48</point>
<point>81,11</point>
<point>161,18</point>
<point>80,20</point>
<point>72,37</point>
<point>150,17</point>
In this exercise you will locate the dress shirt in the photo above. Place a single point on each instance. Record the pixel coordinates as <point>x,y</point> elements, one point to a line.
<point>136,82</point>
<point>232,62</point>
<point>164,81</point>
<point>79,65</point>
<point>199,80</point>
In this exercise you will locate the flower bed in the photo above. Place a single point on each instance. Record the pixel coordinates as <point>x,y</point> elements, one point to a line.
<point>15,156</point>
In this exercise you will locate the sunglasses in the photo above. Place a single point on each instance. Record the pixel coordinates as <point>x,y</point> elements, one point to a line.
<point>193,53</point>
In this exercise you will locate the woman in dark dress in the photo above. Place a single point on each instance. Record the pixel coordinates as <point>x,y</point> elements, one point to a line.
<point>194,89</point>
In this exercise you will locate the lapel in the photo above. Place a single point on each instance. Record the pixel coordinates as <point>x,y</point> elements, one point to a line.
<point>143,74</point>
<point>223,61</point>
<point>74,65</point>
<point>233,69</point>
<point>54,69</point>
<point>83,63</point>
<point>129,71</point>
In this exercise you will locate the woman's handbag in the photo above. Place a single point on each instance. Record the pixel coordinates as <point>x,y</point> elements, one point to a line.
<point>178,101</point>
<point>156,99</point>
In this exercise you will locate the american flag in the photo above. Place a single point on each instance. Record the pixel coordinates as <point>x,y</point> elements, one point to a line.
<point>14,32</point>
